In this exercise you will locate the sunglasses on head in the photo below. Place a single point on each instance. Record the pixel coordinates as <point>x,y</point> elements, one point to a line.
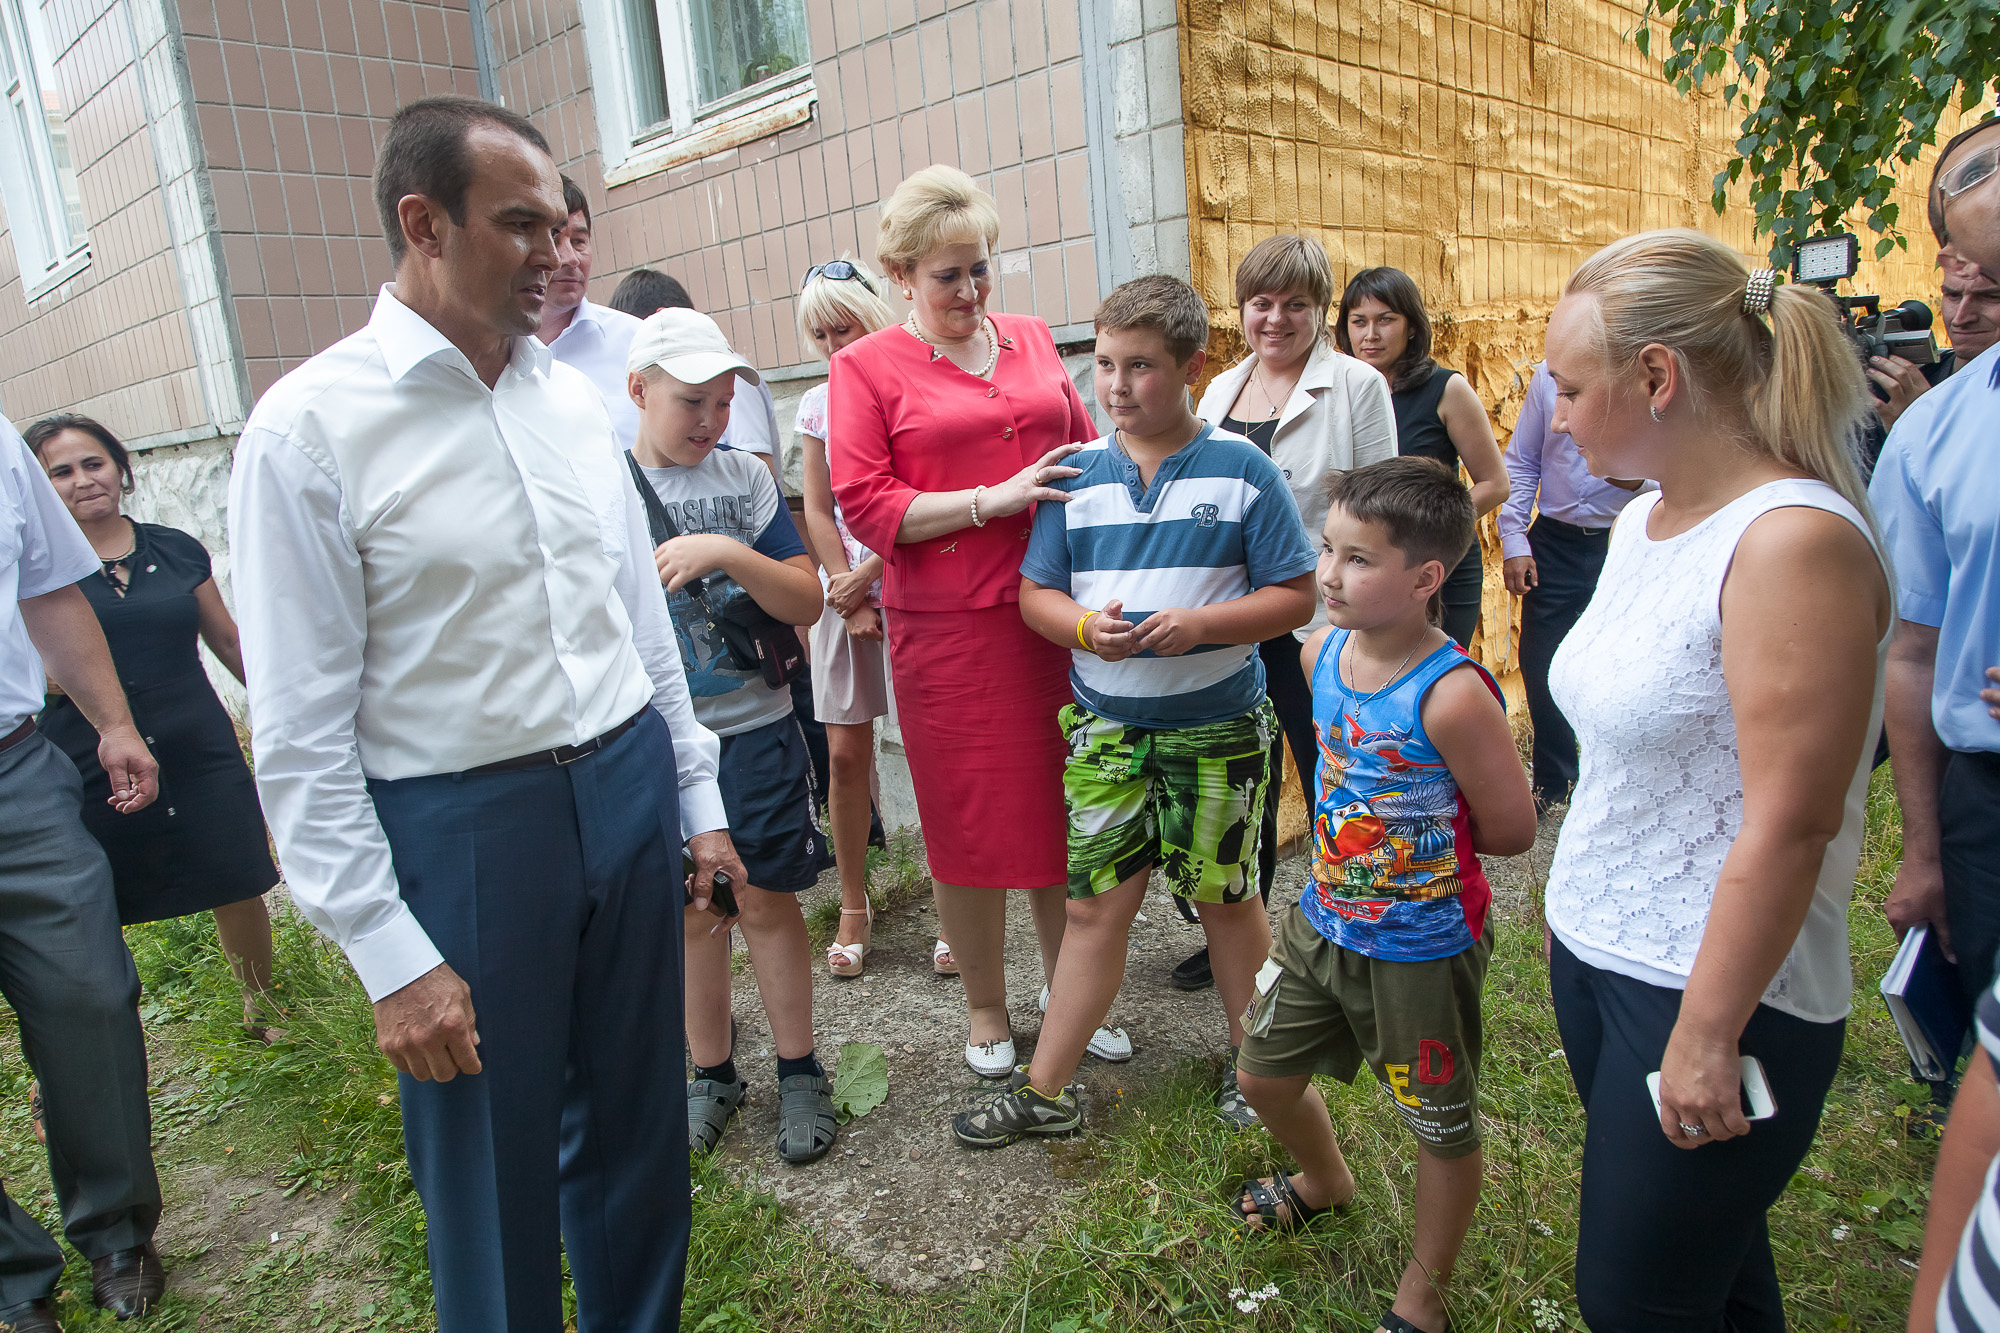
<point>1970,172</point>
<point>838,270</point>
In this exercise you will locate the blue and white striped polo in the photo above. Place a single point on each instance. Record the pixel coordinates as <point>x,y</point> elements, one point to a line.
<point>1216,524</point>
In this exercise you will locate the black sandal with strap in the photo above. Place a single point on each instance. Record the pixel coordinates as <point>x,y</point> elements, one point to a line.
<point>1279,1193</point>
<point>806,1122</point>
<point>1391,1322</point>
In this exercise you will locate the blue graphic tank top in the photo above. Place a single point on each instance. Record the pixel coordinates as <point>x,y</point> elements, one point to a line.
<point>1393,871</point>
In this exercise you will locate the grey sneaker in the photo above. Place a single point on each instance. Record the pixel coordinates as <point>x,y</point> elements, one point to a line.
<point>1015,1113</point>
<point>1230,1103</point>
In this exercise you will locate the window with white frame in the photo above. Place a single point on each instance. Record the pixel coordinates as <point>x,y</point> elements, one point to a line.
<point>37,177</point>
<point>679,74</point>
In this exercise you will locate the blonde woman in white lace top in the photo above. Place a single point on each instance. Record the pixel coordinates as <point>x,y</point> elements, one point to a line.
<point>1726,688</point>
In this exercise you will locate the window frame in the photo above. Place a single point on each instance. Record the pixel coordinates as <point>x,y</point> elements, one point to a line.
<point>692,131</point>
<point>32,188</point>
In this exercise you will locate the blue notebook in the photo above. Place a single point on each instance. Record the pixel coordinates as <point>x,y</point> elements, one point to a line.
<point>1921,988</point>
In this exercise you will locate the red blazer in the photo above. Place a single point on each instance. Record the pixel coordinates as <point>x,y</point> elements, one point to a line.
<point>900,423</point>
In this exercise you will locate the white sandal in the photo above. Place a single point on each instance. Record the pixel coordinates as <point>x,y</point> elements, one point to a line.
<point>844,960</point>
<point>942,962</point>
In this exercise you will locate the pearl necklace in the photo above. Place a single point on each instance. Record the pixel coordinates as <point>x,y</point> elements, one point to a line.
<point>985,326</point>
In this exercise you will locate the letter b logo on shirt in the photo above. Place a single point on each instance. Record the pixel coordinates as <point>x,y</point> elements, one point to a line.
<point>1205,515</point>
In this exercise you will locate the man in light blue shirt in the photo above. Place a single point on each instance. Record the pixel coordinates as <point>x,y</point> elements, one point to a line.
<point>1937,494</point>
<point>1552,564</point>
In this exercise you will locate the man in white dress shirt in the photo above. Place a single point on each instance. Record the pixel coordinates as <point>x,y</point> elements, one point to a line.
<point>593,338</point>
<point>469,713</point>
<point>65,968</point>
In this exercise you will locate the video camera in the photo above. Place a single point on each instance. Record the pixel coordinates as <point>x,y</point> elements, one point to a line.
<point>1903,330</point>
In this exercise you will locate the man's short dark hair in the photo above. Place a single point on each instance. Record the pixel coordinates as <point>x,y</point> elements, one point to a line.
<point>424,153</point>
<point>645,291</point>
<point>575,201</point>
<point>1419,502</point>
<point>1932,204</point>
<point>1165,305</point>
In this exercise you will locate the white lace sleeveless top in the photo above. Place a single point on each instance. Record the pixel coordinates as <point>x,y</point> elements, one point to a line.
<point>1659,798</point>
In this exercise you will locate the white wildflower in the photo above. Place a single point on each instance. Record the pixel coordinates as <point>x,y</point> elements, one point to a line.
<point>1247,1306</point>
<point>1840,1232</point>
<point>1541,1226</point>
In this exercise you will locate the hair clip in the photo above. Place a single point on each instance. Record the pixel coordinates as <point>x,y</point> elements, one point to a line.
<point>1757,291</point>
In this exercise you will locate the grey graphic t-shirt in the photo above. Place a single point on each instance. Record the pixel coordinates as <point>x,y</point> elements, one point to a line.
<point>729,494</point>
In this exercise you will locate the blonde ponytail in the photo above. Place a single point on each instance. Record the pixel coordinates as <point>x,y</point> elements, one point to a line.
<point>1793,388</point>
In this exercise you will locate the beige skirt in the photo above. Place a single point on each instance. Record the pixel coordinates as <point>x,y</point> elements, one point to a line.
<point>850,675</point>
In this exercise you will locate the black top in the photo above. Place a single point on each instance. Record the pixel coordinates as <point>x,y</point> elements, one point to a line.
<point>1420,432</point>
<point>202,842</point>
<point>1259,433</point>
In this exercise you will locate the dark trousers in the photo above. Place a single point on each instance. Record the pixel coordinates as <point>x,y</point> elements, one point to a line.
<point>65,970</point>
<point>1464,589</point>
<point>1568,560</point>
<point>1969,848</point>
<point>555,893</point>
<point>1671,1240</point>
<point>1291,696</point>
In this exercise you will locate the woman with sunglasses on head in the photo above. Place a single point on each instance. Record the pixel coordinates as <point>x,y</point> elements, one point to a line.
<point>947,430</point>
<point>840,303</point>
<point>201,846</point>
<point>1383,322</point>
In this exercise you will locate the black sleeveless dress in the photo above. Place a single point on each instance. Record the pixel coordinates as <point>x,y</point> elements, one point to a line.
<point>1420,433</point>
<point>201,844</point>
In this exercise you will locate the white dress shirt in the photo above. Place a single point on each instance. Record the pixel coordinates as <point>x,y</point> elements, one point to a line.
<point>596,342</point>
<point>1338,418</point>
<point>431,576</point>
<point>41,550</point>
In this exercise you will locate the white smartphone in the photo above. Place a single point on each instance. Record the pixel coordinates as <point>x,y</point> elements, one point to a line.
<point>1758,1103</point>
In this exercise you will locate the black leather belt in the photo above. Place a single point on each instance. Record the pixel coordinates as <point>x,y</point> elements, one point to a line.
<point>562,754</point>
<point>1595,534</point>
<point>17,735</point>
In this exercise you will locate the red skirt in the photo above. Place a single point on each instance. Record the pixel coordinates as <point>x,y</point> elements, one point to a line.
<point>977,694</point>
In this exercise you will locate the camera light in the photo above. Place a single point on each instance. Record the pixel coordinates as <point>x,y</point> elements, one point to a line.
<point>1826,258</point>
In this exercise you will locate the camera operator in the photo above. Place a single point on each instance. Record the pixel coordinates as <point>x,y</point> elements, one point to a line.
<point>1971,310</point>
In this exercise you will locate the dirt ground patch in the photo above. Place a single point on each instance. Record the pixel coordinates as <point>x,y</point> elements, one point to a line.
<point>897,1196</point>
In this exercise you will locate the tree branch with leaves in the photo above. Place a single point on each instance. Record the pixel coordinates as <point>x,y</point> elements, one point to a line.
<point>1838,97</point>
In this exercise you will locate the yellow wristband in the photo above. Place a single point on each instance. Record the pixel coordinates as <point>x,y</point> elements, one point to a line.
<point>1081,641</point>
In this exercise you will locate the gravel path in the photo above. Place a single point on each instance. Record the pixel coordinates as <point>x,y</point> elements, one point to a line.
<point>897,1195</point>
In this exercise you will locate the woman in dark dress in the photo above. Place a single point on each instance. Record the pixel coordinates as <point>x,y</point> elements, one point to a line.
<point>201,846</point>
<point>1383,322</point>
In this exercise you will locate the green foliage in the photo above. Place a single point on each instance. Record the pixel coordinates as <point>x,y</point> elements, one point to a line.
<point>1838,96</point>
<point>860,1081</point>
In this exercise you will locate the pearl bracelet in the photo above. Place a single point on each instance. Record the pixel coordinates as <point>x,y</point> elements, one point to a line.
<point>977,521</point>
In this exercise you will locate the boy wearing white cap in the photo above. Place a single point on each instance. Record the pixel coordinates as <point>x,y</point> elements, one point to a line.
<point>722,531</point>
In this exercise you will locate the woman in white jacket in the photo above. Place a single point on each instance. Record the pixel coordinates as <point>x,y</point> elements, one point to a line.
<point>1316,411</point>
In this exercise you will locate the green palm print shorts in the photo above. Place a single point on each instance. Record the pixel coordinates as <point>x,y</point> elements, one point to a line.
<point>1189,800</point>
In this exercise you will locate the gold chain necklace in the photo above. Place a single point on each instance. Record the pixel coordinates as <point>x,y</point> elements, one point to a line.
<point>985,327</point>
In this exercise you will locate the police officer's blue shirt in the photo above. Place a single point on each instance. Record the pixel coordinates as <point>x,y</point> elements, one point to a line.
<point>1216,524</point>
<point>1936,493</point>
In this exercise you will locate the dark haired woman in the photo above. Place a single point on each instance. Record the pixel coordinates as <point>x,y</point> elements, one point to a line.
<point>201,846</point>
<point>1383,322</point>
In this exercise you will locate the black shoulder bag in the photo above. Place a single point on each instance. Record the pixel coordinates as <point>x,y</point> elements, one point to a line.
<point>753,639</point>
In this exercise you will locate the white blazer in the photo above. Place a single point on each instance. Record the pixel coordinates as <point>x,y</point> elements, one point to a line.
<point>1338,418</point>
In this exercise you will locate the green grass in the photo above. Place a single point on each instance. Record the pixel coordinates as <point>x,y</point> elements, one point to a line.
<point>1151,1242</point>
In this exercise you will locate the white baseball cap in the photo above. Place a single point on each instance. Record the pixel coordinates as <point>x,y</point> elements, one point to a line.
<point>687,345</point>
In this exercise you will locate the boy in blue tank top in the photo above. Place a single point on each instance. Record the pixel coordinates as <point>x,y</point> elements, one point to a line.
<point>1383,959</point>
<point>1178,551</point>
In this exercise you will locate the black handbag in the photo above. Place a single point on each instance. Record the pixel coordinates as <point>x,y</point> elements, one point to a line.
<point>752,638</point>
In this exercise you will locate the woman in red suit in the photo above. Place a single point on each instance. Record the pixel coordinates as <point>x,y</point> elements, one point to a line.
<point>947,428</point>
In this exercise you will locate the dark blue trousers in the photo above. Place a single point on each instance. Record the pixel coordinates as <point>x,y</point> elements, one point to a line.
<point>1568,560</point>
<point>555,893</point>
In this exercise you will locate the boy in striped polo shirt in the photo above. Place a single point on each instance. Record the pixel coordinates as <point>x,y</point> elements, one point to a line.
<point>1178,552</point>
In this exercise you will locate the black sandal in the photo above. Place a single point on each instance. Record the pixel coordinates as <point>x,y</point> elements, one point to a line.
<point>806,1122</point>
<point>1391,1322</point>
<point>1279,1193</point>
